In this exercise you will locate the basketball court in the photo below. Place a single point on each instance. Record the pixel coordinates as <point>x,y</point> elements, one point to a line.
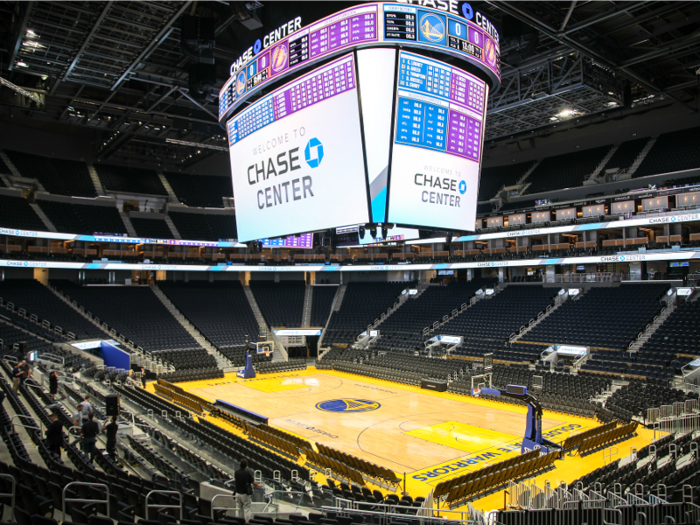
<point>428,436</point>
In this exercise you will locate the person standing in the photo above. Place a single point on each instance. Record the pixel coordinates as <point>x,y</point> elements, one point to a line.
<point>16,378</point>
<point>89,436</point>
<point>54,435</point>
<point>244,490</point>
<point>111,429</point>
<point>26,371</point>
<point>77,416</point>
<point>87,408</point>
<point>53,384</point>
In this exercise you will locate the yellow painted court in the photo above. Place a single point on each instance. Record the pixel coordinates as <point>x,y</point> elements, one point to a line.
<point>428,436</point>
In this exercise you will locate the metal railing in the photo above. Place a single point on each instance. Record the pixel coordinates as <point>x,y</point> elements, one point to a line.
<point>65,500</point>
<point>147,506</point>
<point>385,514</point>
<point>12,424</point>
<point>11,494</point>
<point>215,508</point>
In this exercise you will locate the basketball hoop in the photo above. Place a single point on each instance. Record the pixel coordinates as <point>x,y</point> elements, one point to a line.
<point>476,392</point>
<point>267,353</point>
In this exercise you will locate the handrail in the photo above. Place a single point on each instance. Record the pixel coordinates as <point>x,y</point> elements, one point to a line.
<point>146,506</point>
<point>213,508</point>
<point>11,494</point>
<point>39,428</point>
<point>617,512</point>
<point>464,516</point>
<point>65,500</point>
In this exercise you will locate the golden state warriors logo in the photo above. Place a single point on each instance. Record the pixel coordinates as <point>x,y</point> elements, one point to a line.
<point>240,83</point>
<point>279,58</point>
<point>348,405</point>
<point>432,28</point>
<point>490,52</point>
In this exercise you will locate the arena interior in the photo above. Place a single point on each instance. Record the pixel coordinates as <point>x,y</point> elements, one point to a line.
<point>477,303</point>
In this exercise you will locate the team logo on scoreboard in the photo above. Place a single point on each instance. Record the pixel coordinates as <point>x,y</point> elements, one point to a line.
<point>279,58</point>
<point>348,405</point>
<point>432,27</point>
<point>240,83</point>
<point>490,52</point>
<point>313,153</point>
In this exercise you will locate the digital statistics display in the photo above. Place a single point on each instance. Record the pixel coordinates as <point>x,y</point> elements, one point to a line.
<point>296,152</point>
<point>461,32</point>
<point>305,241</point>
<point>438,132</point>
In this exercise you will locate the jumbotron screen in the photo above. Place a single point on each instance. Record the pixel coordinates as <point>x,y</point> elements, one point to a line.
<point>297,160</point>
<point>439,118</point>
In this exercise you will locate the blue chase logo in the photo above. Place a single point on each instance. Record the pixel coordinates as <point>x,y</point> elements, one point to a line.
<point>462,187</point>
<point>313,153</point>
<point>348,405</point>
<point>432,28</point>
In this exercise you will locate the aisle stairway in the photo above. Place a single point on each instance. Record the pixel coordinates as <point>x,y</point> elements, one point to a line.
<point>557,303</point>
<point>221,361</point>
<point>96,180</point>
<point>127,223</point>
<point>308,302</point>
<point>173,229</point>
<point>44,218</point>
<point>653,327</point>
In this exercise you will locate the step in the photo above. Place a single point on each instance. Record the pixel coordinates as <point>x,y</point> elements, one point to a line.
<point>96,180</point>
<point>308,303</point>
<point>191,329</point>
<point>44,218</point>
<point>591,179</point>
<point>547,314</point>
<point>522,179</point>
<point>171,194</point>
<point>127,223</point>
<point>173,229</point>
<point>81,312</point>
<point>640,158</point>
<point>13,169</point>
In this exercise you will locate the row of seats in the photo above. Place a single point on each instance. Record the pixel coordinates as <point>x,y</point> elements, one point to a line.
<point>362,303</point>
<point>281,303</point>
<point>133,311</point>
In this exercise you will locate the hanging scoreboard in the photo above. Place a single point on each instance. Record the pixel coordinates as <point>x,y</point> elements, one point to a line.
<point>374,133</point>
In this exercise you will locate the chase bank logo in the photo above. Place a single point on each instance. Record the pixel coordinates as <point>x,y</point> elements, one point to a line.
<point>348,405</point>
<point>432,28</point>
<point>673,219</point>
<point>313,153</point>
<point>462,187</point>
<point>622,258</point>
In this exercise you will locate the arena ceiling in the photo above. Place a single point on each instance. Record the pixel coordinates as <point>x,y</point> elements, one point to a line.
<point>120,67</point>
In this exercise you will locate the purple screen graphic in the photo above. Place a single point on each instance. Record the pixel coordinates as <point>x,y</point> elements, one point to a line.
<point>303,241</point>
<point>328,81</point>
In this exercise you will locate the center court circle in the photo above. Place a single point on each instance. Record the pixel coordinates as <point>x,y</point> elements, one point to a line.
<point>348,405</point>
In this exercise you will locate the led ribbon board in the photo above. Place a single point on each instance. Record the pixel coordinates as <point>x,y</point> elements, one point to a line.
<point>470,37</point>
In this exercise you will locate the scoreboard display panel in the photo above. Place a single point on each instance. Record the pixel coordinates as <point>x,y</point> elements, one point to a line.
<point>296,151</point>
<point>439,119</point>
<point>467,35</point>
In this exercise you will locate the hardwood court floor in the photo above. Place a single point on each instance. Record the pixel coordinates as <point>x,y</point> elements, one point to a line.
<point>429,436</point>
